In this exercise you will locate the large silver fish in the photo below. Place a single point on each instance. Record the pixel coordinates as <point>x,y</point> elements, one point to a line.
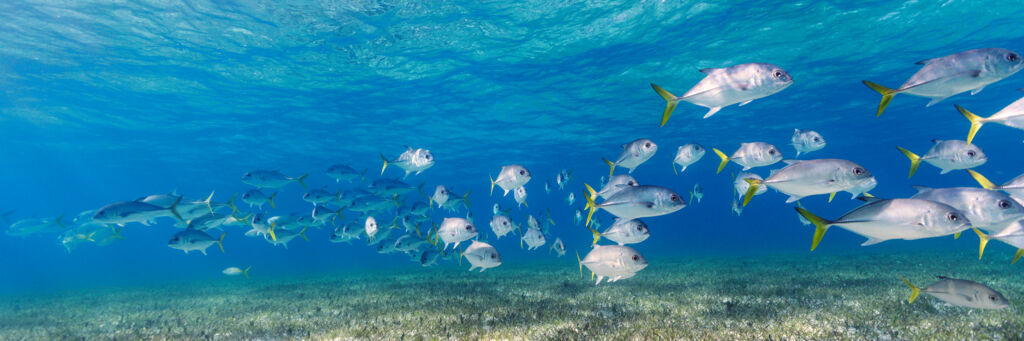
<point>884,219</point>
<point>533,237</point>
<point>193,240</point>
<point>411,160</point>
<point>623,231</point>
<point>750,155</point>
<point>482,255</point>
<point>633,155</point>
<point>636,202</point>
<point>687,155</point>
<point>722,87</point>
<point>947,155</point>
<point>614,262</point>
<point>501,225</point>
<point>1011,116</point>
<point>455,231</point>
<point>1014,187</point>
<point>942,77</point>
<point>806,141</point>
<point>135,212</point>
<point>985,209</point>
<point>510,178</point>
<point>811,177</point>
<point>961,292</point>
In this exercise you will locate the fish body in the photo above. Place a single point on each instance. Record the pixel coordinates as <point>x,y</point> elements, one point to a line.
<point>30,226</point>
<point>440,196</point>
<point>455,230</point>
<point>134,212</point>
<point>687,155</point>
<point>961,292</point>
<point>885,219</point>
<point>638,202</point>
<point>947,155</point>
<point>633,155</point>
<point>340,172</point>
<point>614,262</point>
<point>616,184</point>
<point>751,155</point>
<point>256,198</point>
<point>624,231</point>
<point>320,196</point>
<point>741,184</point>
<point>411,160</point>
<point>697,193</point>
<point>370,226</point>
<point>1010,116</point>
<point>520,196</point>
<point>571,199</point>
<point>985,209</point>
<point>558,246</point>
<point>534,238</point>
<point>511,177</point>
<point>481,255</point>
<point>821,176</point>
<point>806,141</point>
<point>271,179</point>
<point>501,225</point>
<point>389,187</point>
<point>723,87</point>
<point>193,240</point>
<point>563,178</point>
<point>234,271</point>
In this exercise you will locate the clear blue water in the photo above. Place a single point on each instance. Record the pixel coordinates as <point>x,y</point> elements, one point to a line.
<point>103,102</point>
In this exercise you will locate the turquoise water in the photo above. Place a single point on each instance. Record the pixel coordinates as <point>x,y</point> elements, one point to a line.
<point>104,102</point>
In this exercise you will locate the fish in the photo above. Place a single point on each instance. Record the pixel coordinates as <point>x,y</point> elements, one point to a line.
<point>1011,116</point>
<point>286,236</point>
<point>533,237</point>
<point>577,216</point>
<point>411,161</point>
<point>697,193</point>
<point>453,204</point>
<point>558,246</point>
<point>216,220</point>
<point>370,227</point>
<point>256,198</point>
<point>320,196</point>
<point>636,202</point>
<point>736,208</point>
<point>532,222</point>
<point>806,141</point>
<point>30,226</point>
<point>234,271</point>
<point>623,231</point>
<point>454,231</point>
<point>341,234</point>
<point>408,242</point>
<point>1014,187</point>
<point>340,172</point>
<point>193,240</point>
<point>616,184</point>
<point>571,199</point>
<point>520,196</point>
<point>547,187</point>
<point>960,292</point>
<point>510,178</point>
<point>960,72</point>
<point>614,262</point>
<point>947,155</point>
<point>741,183</point>
<point>389,187</point>
<point>687,155</point>
<point>985,209</point>
<point>322,214</point>
<point>289,221</point>
<point>563,178</point>
<point>722,87</point>
<point>496,209</point>
<point>260,226</point>
<point>440,196</point>
<point>501,225</point>
<point>750,155</point>
<point>135,212</point>
<point>481,255</point>
<point>271,179</point>
<point>633,155</point>
<point>372,203</point>
<point>885,219</point>
<point>800,179</point>
<point>428,257</point>
<point>1012,234</point>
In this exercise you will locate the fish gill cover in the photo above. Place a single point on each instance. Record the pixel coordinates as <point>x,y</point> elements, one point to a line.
<point>254,132</point>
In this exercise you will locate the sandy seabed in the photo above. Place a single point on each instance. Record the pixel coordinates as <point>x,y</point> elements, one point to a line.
<point>785,297</point>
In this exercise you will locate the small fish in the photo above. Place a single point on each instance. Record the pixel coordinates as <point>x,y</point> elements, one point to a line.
<point>286,236</point>
<point>687,155</point>
<point>884,219</point>
<point>390,187</point>
<point>455,230</point>
<point>533,237</point>
<point>547,187</point>
<point>482,255</point>
<point>614,262</point>
<point>520,196</point>
<point>1010,116</point>
<point>697,193</point>
<point>428,257</point>
<point>440,196</point>
<point>496,209</point>
<point>961,292</point>
<point>558,246</point>
<point>345,173</point>
<point>633,155</point>
<point>636,202</point>
<point>750,155</point>
<point>806,141</point>
<point>322,214</point>
<point>30,226</point>
<point>577,216</point>
<point>257,198</point>
<point>571,198</point>
<point>271,179</point>
<point>370,227</point>
<point>192,240</point>
<point>616,184</point>
<point>260,226</point>
<point>563,178</point>
<point>742,182</point>
<point>624,231</point>
<point>501,225</point>
<point>319,196</point>
<point>985,209</point>
<point>947,155</point>
<point>812,177</point>
<point>510,178</point>
<point>943,77</point>
<point>604,181</point>
<point>723,87</point>
<point>412,160</point>
<point>234,271</point>
<point>736,208</point>
<point>408,242</point>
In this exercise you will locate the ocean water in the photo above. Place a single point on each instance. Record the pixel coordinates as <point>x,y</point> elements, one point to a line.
<point>102,102</point>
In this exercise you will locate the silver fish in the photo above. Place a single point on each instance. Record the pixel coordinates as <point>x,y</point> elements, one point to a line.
<point>741,183</point>
<point>612,261</point>
<point>271,179</point>
<point>257,198</point>
<point>947,155</point>
<point>636,202</point>
<point>501,225</point>
<point>411,160</point>
<point>812,177</point>
<point>510,178</point>
<point>341,172</point>
<point>723,87</point>
<point>192,240</point>
<point>563,178</point>
<point>370,227</point>
<point>520,196</point>
<point>234,271</point>
<point>616,184</point>
<point>633,155</point>
<point>440,196</point>
<point>806,141</point>
<point>558,246</point>
<point>750,155</point>
<point>1011,116</point>
<point>134,212</point>
<point>943,77</point>
<point>533,237</point>
<point>884,219</point>
<point>697,193</point>
<point>985,209</point>
<point>1014,187</point>
<point>482,255</point>
<point>961,292</point>
<point>687,155</point>
<point>624,231</point>
<point>455,230</point>
<point>571,199</point>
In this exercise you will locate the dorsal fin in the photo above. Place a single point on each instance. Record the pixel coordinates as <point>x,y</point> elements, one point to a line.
<point>925,61</point>
<point>790,161</point>
<point>709,70</point>
<point>942,277</point>
<point>921,188</point>
<point>869,199</point>
<point>936,141</point>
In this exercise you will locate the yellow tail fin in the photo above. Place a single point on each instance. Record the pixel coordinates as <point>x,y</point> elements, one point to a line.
<point>915,161</point>
<point>670,98</point>
<point>597,235</point>
<point>820,226</point>
<point>303,234</point>
<point>914,291</point>
<point>590,194</point>
<point>886,95</point>
<point>1016,256</point>
<point>246,272</point>
<point>981,179</point>
<point>976,122</point>
<point>610,165</point>
<point>754,185</point>
<point>983,241</point>
<point>385,166</point>
<point>492,184</point>
<point>270,200</point>
<point>725,159</point>
<point>301,180</point>
<point>580,261</point>
<point>271,231</point>
<point>220,242</point>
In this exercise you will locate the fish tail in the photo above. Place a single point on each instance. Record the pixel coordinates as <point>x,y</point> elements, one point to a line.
<point>89,237</point>
<point>492,184</point>
<point>597,235</point>
<point>385,166</point>
<point>886,95</point>
<point>755,184</point>
<point>976,122</point>
<point>915,161</point>
<point>611,165</point>
<point>1016,256</point>
<point>230,204</point>
<point>246,272</point>
<point>465,198</point>
<point>725,159</point>
<point>302,180</point>
<point>983,241</point>
<point>174,209</point>
<point>60,223</point>
<point>833,196</point>
<point>271,231</point>
<point>914,290</point>
<point>820,226</point>
<point>209,201</point>
<point>303,233</point>
<point>270,200</point>
<point>591,207</point>
<point>220,242</point>
<point>981,179</point>
<point>674,168</point>
<point>580,261</point>
<point>670,99</point>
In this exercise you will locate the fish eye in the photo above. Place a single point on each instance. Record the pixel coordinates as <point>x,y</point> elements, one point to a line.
<point>1004,204</point>
<point>857,171</point>
<point>697,147</point>
<point>522,172</point>
<point>992,298</point>
<point>771,151</point>
<point>817,139</point>
<point>636,258</point>
<point>673,197</point>
<point>469,227</point>
<point>971,153</point>
<point>493,256</point>
<point>631,183</point>
<point>639,227</point>
<point>648,145</point>
<point>952,216</point>
<point>1013,57</point>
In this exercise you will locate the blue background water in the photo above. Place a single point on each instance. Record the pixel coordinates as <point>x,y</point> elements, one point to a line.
<point>109,102</point>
